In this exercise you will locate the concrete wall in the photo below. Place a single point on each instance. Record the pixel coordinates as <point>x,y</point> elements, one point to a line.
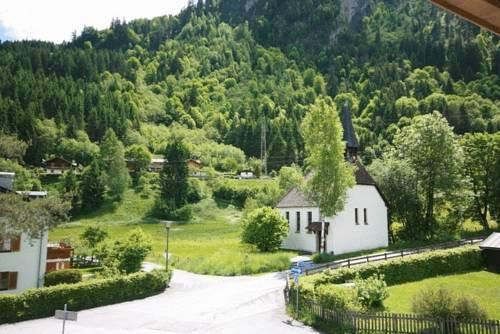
<point>25,263</point>
<point>301,240</point>
<point>344,235</point>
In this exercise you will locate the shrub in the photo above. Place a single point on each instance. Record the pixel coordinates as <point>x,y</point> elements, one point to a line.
<point>67,276</point>
<point>265,228</point>
<point>328,296</point>
<point>371,292</point>
<point>412,268</point>
<point>443,304</point>
<point>39,303</point>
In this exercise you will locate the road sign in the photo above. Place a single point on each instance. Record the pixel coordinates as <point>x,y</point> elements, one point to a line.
<point>296,271</point>
<point>65,315</point>
<point>70,315</point>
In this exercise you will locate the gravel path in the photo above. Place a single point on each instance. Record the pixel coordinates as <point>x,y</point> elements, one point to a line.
<point>192,304</point>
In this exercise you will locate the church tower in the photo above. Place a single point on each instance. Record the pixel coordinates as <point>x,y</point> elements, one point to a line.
<point>349,136</point>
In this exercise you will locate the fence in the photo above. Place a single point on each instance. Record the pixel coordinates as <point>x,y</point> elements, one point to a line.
<point>354,261</point>
<point>78,261</point>
<point>395,323</point>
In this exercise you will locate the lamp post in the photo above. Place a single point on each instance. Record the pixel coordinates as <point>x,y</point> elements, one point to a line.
<point>167,227</point>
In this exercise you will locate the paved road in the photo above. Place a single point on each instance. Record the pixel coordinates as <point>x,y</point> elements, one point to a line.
<point>193,304</point>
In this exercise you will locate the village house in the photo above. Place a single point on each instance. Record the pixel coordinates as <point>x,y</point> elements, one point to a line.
<point>361,225</point>
<point>59,165</point>
<point>22,260</point>
<point>156,165</point>
<point>58,256</point>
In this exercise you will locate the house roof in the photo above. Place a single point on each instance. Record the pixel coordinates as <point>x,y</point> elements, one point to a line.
<point>296,199</point>
<point>492,242</point>
<point>485,13</point>
<point>349,134</point>
<point>58,159</point>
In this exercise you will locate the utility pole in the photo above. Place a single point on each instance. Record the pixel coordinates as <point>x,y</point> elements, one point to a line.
<point>263,144</point>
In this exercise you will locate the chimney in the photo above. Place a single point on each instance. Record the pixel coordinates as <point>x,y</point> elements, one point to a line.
<point>7,180</point>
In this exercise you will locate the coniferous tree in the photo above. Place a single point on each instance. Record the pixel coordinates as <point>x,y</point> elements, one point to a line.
<point>174,176</point>
<point>92,187</point>
<point>115,167</point>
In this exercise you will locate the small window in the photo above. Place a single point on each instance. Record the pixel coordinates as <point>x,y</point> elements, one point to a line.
<point>4,281</point>
<point>5,245</point>
<point>287,215</point>
<point>297,230</point>
<point>309,221</point>
<point>365,216</point>
<point>356,220</point>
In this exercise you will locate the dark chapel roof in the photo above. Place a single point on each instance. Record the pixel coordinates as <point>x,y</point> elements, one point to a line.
<point>349,133</point>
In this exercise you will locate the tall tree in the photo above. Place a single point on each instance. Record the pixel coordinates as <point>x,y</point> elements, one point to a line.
<point>431,149</point>
<point>30,217</point>
<point>92,188</point>
<point>331,174</point>
<point>115,167</point>
<point>174,176</point>
<point>481,158</point>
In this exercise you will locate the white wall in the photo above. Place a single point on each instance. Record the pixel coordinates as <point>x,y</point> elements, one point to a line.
<point>302,240</point>
<point>25,263</point>
<point>344,235</point>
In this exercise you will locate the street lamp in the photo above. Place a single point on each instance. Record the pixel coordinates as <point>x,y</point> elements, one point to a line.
<point>167,227</point>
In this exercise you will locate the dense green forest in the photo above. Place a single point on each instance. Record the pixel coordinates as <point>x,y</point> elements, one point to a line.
<point>224,69</point>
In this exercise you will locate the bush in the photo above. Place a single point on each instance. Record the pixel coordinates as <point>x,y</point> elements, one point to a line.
<point>229,193</point>
<point>265,228</point>
<point>412,268</point>
<point>443,304</point>
<point>67,276</point>
<point>371,292</point>
<point>39,303</point>
<point>328,296</point>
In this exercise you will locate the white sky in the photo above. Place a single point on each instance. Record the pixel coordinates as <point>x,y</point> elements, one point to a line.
<point>55,20</point>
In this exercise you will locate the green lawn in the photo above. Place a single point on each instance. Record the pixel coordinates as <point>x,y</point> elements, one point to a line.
<point>483,286</point>
<point>208,245</point>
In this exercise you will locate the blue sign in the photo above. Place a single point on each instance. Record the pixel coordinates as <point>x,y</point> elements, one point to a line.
<point>296,279</point>
<point>296,270</point>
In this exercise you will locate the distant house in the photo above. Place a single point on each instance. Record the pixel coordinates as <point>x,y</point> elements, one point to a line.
<point>156,165</point>
<point>361,225</point>
<point>490,248</point>
<point>58,256</point>
<point>130,165</point>
<point>194,164</point>
<point>22,261</point>
<point>246,174</point>
<point>59,165</point>
<point>7,186</point>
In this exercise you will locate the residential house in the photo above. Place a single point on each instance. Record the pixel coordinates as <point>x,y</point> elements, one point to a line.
<point>58,256</point>
<point>194,167</point>
<point>156,165</point>
<point>361,225</point>
<point>22,260</point>
<point>59,165</point>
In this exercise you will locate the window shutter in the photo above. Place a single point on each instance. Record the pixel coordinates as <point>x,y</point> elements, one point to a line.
<point>12,280</point>
<point>15,245</point>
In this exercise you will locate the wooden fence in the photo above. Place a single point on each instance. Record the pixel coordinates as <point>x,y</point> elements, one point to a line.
<point>354,261</point>
<point>395,323</point>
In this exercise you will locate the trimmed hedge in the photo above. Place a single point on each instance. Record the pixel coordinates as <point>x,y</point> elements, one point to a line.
<point>68,276</point>
<point>39,303</point>
<point>235,195</point>
<point>412,268</point>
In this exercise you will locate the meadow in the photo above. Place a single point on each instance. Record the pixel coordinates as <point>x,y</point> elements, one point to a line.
<point>209,244</point>
<point>483,286</point>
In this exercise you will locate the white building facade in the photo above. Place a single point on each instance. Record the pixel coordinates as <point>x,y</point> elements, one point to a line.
<point>22,263</point>
<point>361,225</point>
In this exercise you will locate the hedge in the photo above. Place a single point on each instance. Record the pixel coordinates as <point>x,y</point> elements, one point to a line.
<point>68,276</point>
<point>233,194</point>
<point>412,268</point>
<point>39,303</point>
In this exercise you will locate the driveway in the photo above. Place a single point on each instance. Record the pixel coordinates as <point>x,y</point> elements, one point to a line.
<point>192,304</point>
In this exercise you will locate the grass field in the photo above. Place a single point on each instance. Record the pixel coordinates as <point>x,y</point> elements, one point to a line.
<point>208,245</point>
<point>483,286</point>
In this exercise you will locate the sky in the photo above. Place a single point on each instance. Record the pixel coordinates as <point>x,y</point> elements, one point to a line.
<point>55,20</point>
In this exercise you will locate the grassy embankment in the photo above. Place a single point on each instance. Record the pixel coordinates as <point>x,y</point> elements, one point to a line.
<point>210,244</point>
<point>483,286</point>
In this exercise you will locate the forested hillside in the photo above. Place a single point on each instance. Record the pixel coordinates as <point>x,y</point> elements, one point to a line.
<point>221,70</point>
